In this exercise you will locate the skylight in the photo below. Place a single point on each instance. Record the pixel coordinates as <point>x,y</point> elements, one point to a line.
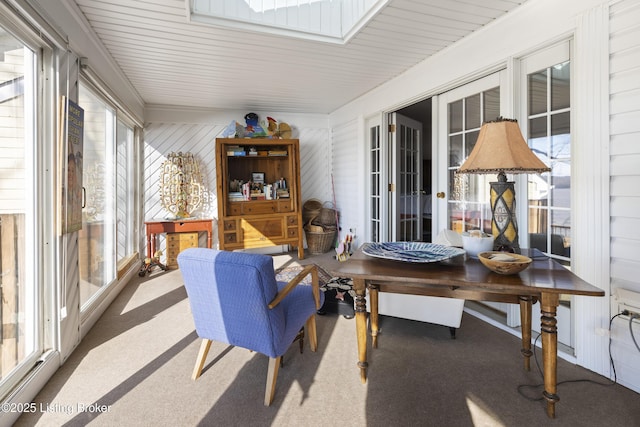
<point>333,21</point>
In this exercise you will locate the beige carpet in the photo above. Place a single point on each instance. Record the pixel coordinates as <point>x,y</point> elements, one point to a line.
<point>136,365</point>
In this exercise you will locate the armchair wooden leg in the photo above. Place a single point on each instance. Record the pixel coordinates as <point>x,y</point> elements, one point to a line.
<point>311,332</point>
<point>202,357</point>
<point>272,376</point>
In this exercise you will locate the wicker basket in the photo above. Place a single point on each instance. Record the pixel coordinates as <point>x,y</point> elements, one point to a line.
<point>327,216</point>
<point>320,243</point>
<point>310,209</point>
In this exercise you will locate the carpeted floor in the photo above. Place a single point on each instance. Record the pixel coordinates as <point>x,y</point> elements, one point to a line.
<point>136,365</point>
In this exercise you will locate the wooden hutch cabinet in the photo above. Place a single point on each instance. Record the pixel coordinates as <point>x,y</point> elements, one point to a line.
<point>258,182</point>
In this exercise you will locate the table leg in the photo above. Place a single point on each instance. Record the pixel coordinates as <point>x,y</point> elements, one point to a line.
<point>548,306</point>
<point>373,319</point>
<point>154,244</point>
<point>361,327</point>
<point>525,322</point>
<point>209,239</point>
<point>149,253</point>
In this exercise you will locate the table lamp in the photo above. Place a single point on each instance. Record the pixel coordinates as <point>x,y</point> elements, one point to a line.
<point>501,148</point>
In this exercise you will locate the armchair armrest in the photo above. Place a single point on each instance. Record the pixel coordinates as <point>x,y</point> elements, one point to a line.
<point>295,281</point>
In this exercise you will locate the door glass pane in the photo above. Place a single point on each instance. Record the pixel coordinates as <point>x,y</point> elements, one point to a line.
<point>455,116</point>
<point>472,112</point>
<point>455,150</point>
<point>97,262</point>
<point>560,87</point>
<point>561,184</point>
<point>491,104</point>
<point>537,92</point>
<point>18,296</point>
<point>471,139</point>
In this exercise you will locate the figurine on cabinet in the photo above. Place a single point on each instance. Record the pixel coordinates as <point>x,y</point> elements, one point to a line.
<point>253,128</point>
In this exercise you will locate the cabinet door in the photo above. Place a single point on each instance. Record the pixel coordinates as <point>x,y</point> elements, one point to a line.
<point>262,231</point>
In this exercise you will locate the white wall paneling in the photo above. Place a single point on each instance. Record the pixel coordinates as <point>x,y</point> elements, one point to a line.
<point>347,164</point>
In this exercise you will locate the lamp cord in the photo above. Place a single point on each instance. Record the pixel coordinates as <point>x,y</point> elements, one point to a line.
<point>522,387</point>
<point>633,337</point>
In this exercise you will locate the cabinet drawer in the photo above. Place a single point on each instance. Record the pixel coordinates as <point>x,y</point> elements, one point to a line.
<point>230,237</point>
<point>258,208</point>
<point>262,229</point>
<point>229,224</point>
<point>285,206</point>
<point>292,220</point>
<point>292,232</point>
<point>235,209</point>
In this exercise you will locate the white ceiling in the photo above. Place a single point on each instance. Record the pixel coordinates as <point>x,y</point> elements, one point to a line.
<point>171,61</point>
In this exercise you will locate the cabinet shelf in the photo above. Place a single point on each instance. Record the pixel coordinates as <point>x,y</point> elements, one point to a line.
<point>276,217</point>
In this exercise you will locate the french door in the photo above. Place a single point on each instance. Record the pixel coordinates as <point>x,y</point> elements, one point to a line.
<point>406,192</point>
<point>463,199</point>
<point>396,197</point>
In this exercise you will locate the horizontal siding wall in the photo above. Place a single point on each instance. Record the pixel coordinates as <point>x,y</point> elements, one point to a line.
<point>196,133</point>
<point>625,179</point>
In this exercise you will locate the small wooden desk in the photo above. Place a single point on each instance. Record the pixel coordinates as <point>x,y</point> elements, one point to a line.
<point>158,226</point>
<point>544,280</point>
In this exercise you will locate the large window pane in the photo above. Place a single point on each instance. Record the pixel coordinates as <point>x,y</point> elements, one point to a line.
<point>96,240</point>
<point>126,181</point>
<point>18,296</point>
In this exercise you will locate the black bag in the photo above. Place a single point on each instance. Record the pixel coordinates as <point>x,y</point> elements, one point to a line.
<point>338,297</point>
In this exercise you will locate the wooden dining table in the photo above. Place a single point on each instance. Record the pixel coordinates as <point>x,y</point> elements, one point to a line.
<point>466,278</point>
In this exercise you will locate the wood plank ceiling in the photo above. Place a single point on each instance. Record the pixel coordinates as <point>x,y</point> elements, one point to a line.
<point>173,62</point>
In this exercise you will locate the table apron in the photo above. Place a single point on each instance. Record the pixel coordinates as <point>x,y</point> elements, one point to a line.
<point>449,291</point>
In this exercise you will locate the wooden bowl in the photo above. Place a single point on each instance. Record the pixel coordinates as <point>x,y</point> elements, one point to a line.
<point>504,262</point>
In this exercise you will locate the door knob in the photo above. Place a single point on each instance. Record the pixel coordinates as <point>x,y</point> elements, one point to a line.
<point>440,194</point>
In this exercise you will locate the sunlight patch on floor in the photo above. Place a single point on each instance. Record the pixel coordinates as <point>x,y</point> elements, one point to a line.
<point>480,414</point>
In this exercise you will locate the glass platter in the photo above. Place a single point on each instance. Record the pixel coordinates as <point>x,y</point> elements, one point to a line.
<point>416,252</point>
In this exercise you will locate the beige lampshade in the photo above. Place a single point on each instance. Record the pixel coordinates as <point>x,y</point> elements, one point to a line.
<point>501,148</point>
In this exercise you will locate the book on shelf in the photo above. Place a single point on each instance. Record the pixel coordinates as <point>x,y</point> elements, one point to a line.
<point>282,193</point>
<point>236,196</point>
<point>277,152</point>
<point>235,150</point>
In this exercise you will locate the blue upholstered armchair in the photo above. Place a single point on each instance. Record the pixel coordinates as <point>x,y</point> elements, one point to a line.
<point>235,299</point>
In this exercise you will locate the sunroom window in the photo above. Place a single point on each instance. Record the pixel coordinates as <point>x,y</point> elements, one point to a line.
<point>19,303</point>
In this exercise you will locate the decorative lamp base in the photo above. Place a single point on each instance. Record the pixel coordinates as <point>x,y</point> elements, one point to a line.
<point>503,221</point>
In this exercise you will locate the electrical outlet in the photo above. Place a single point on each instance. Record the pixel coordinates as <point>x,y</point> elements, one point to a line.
<point>627,300</point>
<point>631,313</point>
